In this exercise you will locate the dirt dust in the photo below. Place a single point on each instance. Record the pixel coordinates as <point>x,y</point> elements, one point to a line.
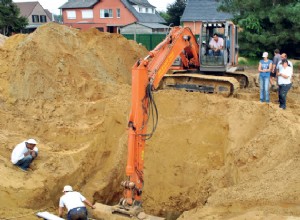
<point>210,158</point>
<point>2,39</point>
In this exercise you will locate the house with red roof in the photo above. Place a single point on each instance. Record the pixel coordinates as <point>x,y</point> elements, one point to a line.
<point>108,15</point>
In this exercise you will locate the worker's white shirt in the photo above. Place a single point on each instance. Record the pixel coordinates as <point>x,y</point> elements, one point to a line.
<point>72,200</point>
<point>214,44</point>
<point>19,151</point>
<point>286,71</point>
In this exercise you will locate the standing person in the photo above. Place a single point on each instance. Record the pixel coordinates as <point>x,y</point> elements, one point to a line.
<point>264,68</point>
<point>74,202</point>
<point>24,153</point>
<point>284,82</point>
<point>276,59</point>
<point>284,56</point>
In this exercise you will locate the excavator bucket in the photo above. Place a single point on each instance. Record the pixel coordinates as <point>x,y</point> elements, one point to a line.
<point>105,212</point>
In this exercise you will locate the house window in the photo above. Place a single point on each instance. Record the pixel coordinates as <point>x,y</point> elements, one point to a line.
<point>150,10</point>
<point>35,19</point>
<point>106,13</point>
<point>71,14</point>
<point>43,18</point>
<point>87,14</point>
<point>118,13</point>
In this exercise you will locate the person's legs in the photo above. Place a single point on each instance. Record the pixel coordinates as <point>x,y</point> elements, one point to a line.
<point>266,88</point>
<point>25,162</point>
<point>261,91</point>
<point>78,214</point>
<point>284,91</point>
<point>280,93</point>
<point>210,52</point>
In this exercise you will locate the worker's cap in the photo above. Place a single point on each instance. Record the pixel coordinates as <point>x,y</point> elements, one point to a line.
<point>31,141</point>
<point>265,54</point>
<point>204,42</point>
<point>68,188</point>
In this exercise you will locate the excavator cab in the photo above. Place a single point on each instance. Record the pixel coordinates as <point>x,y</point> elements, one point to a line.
<point>216,71</point>
<point>217,33</point>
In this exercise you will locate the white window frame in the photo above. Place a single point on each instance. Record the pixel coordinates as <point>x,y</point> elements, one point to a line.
<point>71,14</point>
<point>118,13</point>
<point>87,14</point>
<point>103,11</point>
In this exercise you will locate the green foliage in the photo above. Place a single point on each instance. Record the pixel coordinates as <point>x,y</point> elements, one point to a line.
<point>248,61</point>
<point>10,20</point>
<point>175,12</point>
<point>266,25</point>
<point>58,18</point>
<point>164,15</point>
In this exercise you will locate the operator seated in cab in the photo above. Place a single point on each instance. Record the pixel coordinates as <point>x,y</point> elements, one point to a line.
<point>216,46</point>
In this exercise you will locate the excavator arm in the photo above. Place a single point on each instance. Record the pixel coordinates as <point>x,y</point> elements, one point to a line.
<point>146,75</point>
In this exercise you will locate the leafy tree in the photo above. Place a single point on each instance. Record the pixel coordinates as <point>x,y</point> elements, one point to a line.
<point>58,18</point>
<point>175,12</point>
<point>164,15</point>
<point>266,25</point>
<point>10,19</point>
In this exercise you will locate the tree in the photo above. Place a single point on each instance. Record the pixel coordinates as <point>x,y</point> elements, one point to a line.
<point>266,25</point>
<point>10,19</point>
<point>175,12</point>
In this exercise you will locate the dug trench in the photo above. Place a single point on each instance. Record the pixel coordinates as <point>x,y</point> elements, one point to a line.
<point>210,158</point>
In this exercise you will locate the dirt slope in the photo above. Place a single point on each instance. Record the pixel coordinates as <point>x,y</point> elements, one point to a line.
<point>212,157</point>
<point>2,39</point>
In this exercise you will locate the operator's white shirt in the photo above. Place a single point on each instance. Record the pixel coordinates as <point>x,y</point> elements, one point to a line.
<point>72,200</point>
<point>19,151</point>
<point>214,44</point>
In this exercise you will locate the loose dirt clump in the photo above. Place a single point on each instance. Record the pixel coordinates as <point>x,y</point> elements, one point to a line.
<point>210,158</point>
<point>2,39</point>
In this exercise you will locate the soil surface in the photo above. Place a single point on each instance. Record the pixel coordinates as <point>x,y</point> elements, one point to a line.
<point>2,39</point>
<point>210,158</point>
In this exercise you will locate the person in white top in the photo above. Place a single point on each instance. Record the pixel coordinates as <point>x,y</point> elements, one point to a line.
<point>285,73</point>
<point>75,204</point>
<point>24,153</point>
<point>216,45</point>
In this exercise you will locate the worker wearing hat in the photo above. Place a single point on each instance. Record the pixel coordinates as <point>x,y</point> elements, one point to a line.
<point>24,153</point>
<point>75,203</point>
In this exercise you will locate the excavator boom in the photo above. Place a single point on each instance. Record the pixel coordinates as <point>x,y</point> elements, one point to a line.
<point>146,76</point>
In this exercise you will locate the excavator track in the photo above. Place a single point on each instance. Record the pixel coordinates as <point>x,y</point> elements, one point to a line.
<point>225,86</point>
<point>242,78</point>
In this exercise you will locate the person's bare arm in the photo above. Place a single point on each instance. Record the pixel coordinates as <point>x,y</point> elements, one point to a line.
<point>270,68</point>
<point>60,211</point>
<point>87,202</point>
<point>259,67</point>
<point>283,75</point>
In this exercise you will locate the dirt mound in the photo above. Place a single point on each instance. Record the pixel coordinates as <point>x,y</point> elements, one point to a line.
<point>212,157</point>
<point>2,39</point>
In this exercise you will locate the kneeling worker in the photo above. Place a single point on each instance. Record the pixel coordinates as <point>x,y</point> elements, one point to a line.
<point>74,202</point>
<point>24,153</point>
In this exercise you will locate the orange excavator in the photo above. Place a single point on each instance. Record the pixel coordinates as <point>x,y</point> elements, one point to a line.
<point>147,74</point>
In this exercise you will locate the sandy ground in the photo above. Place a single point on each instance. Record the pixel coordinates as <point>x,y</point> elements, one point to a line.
<point>2,39</point>
<point>210,158</point>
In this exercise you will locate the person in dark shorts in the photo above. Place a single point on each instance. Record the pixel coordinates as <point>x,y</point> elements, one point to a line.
<point>273,79</point>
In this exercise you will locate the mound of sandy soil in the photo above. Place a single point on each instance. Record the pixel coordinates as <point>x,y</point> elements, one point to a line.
<point>210,158</point>
<point>2,39</point>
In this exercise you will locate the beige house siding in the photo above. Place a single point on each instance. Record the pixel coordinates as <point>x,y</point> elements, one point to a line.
<point>38,10</point>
